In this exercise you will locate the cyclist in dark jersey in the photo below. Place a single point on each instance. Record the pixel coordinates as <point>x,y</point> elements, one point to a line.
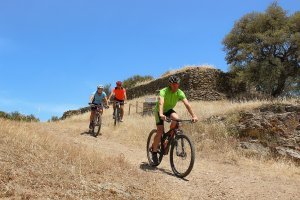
<point>168,98</point>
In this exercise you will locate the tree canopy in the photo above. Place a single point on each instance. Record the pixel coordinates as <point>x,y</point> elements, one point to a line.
<point>107,89</point>
<point>263,49</point>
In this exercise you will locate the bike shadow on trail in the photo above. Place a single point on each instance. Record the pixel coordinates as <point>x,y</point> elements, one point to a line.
<point>146,167</point>
<point>89,134</point>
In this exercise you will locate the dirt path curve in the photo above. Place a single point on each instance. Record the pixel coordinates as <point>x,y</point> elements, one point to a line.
<point>209,179</point>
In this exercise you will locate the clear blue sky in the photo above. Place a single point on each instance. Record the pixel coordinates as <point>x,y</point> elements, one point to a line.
<point>53,53</point>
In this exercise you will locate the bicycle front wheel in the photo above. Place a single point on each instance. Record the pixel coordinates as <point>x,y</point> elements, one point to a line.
<point>97,123</point>
<point>182,156</point>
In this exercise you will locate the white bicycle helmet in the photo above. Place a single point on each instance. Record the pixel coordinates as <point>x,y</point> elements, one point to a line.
<point>174,79</point>
<point>100,87</point>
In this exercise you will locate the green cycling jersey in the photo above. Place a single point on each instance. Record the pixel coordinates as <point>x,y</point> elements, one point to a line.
<point>170,98</point>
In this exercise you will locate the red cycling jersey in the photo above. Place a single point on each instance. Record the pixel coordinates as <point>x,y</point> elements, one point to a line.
<point>119,93</point>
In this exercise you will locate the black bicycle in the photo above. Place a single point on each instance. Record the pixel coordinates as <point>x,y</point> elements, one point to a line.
<point>97,121</point>
<point>117,112</point>
<point>182,153</point>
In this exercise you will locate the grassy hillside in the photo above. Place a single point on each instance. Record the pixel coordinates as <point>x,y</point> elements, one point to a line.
<point>58,160</point>
<point>210,139</point>
<point>37,162</point>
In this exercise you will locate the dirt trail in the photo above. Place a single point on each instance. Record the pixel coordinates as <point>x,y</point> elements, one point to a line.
<point>209,179</point>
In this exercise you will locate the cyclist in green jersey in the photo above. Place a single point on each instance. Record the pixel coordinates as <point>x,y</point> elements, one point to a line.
<point>168,98</point>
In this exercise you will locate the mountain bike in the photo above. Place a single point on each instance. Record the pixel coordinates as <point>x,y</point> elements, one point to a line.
<point>182,152</point>
<point>97,121</point>
<point>117,112</point>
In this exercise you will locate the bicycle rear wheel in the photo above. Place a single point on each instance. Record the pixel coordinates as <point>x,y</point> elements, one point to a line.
<point>149,148</point>
<point>97,125</point>
<point>182,156</point>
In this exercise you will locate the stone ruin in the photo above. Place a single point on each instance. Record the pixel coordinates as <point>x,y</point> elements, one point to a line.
<point>198,83</point>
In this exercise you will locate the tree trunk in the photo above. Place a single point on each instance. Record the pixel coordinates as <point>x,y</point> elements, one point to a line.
<point>280,86</point>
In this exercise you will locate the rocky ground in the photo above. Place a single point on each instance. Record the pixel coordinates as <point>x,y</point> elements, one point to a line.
<point>272,129</point>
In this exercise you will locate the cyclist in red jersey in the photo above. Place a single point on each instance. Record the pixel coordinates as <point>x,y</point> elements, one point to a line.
<point>120,95</point>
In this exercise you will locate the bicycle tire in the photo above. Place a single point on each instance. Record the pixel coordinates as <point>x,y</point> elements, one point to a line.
<point>115,116</point>
<point>119,114</point>
<point>97,126</point>
<point>179,142</point>
<point>149,149</point>
<point>92,131</point>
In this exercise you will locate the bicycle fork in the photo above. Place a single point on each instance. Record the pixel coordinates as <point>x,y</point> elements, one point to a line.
<point>180,149</point>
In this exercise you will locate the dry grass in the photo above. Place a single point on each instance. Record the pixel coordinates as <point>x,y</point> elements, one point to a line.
<point>184,68</point>
<point>142,83</point>
<point>37,164</point>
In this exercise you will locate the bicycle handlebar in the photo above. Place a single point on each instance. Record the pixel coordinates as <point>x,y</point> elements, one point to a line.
<point>117,101</point>
<point>179,120</point>
<point>95,105</point>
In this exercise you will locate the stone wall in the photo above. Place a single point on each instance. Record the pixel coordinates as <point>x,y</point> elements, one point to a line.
<point>198,83</point>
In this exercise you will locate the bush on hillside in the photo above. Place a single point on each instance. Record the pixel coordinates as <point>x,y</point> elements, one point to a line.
<point>107,88</point>
<point>134,80</point>
<point>53,119</point>
<point>16,116</point>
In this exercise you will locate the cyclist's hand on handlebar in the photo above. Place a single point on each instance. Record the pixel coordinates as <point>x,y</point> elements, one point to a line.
<point>163,117</point>
<point>194,119</point>
<point>168,120</point>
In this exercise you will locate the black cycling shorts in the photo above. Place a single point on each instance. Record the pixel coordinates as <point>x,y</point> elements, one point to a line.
<point>158,120</point>
<point>121,101</point>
